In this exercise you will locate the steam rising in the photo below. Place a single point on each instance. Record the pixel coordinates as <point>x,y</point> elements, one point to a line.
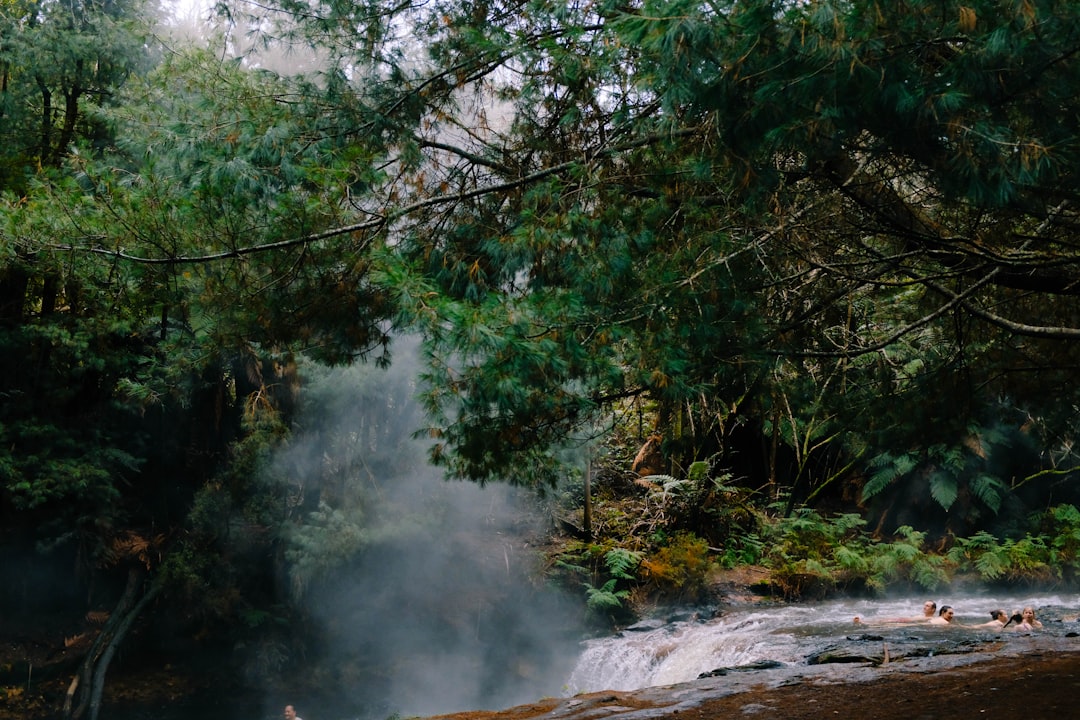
<point>427,592</point>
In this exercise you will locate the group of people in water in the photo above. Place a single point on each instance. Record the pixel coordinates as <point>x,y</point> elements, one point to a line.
<point>1021,620</point>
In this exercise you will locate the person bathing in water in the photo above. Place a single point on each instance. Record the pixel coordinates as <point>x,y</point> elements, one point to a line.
<point>1024,621</point>
<point>929,611</point>
<point>929,608</point>
<point>944,617</point>
<point>998,620</point>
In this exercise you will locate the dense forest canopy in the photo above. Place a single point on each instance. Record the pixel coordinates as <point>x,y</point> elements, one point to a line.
<point>826,248</point>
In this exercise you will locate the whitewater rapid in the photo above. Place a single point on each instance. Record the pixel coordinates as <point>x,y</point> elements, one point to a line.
<point>657,652</point>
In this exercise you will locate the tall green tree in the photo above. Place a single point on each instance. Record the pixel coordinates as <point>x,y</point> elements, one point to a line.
<point>65,342</point>
<point>827,245</point>
<point>601,202</point>
<point>713,210</point>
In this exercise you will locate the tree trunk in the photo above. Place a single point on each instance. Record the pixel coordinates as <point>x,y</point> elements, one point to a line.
<point>587,511</point>
<point>98,687</point>
<point>86,688</point>
<point>46,123</point>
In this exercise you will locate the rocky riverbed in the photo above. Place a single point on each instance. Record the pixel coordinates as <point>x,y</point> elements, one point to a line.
<point>1015,679</point>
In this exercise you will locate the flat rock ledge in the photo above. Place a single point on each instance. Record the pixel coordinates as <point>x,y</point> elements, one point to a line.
<point>1019,678</point>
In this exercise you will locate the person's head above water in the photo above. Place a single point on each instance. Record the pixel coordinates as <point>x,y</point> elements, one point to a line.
<point>929,608</point>
<point>946,613</point>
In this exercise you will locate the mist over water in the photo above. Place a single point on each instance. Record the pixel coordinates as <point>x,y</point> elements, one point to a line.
<point>446,617</point>
<point>442,608</point>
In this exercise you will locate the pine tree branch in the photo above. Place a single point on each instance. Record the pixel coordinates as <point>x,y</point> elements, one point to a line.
<point>380,222</point>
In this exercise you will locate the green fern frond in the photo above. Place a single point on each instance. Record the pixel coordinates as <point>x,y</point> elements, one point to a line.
<point>851,560</point>
<point>944,489</point>
<point>1066,515</point>
<point>981,541</point>
<point>991,565</point>
<point>815,567</point>
<point>890,469</point>
<point>988,490</point>
<point>622,562</point>
<point>605,598</point>
<point>882,460</point>
<point>578,569</point>
<point>697,471</point>
<point>951,459</point>
<point>905,552</point>
<point>911,536</point>
<point>929,573</point>
<point>847,522</point>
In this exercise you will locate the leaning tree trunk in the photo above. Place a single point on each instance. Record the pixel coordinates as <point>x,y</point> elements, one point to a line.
<point>98,687</point>
<point>88,685</point>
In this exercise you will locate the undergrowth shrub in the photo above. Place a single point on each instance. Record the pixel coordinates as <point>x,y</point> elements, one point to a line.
<point>1061,524</point>
<point>678,570</point>
<point>903,561</point>
<point>812,556</point>
<point>610,574</point>
<point>1009,560</point>
<point>661,546</point>
<point>1049,554</point>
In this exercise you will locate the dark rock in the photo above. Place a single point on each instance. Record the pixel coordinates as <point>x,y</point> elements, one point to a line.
<point>759,665</point>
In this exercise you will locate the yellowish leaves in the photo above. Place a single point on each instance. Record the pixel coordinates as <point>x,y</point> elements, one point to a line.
<point>73,640</point>
<point>258,404</point>
<point>975,445</point>
<point>967,19</point>
<point>133,546</point>
<point>1032,154</point>
<point>1028,12</point>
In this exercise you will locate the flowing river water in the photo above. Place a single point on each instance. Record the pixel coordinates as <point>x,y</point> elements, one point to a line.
<point>762,639</point>
<point>692,654</point>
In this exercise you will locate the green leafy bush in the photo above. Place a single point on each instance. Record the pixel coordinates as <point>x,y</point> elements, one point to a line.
<point>812,555</point>
<point>1015,561</point>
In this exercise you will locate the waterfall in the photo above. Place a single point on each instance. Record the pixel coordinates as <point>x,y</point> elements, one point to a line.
<point>789,634</point>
